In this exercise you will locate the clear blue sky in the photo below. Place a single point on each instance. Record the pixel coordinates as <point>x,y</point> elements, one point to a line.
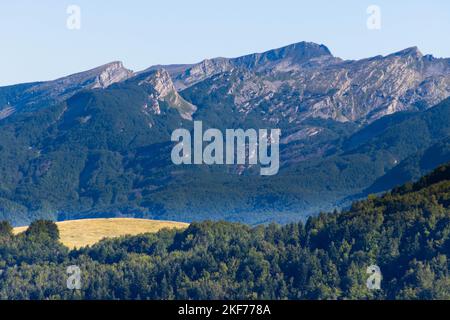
<point>36,45</point>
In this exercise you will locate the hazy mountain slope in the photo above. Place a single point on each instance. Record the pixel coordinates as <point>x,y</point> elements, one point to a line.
<point>127,169</point>
<point>66,155</point>
<point>364,158</point>
<point>97,144</point>
<point>413,167</point>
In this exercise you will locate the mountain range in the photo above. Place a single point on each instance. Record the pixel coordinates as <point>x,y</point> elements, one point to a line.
<point>97,143</point>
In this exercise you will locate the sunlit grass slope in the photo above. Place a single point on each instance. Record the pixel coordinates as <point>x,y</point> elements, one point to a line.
<point>81,233</point>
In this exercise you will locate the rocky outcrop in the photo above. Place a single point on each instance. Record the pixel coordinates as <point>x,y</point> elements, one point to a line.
<point>163,89</point>
<point>110,74</point>
<point>292,83</point>
<point>296,83</point>
<point>282,59</point>
<point>42,93</point>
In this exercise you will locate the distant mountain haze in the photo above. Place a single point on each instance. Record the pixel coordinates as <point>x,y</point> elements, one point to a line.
<point>97,143</point>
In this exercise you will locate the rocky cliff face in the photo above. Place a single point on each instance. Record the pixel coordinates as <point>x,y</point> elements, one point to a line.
<point>306,81</point>
<point>293,83</point>
<point>40,94</point>
<point>162,89</point>
<point>109,74</point>
<point>282,59</point>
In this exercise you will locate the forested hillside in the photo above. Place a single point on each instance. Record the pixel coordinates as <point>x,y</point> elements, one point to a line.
<point>405,232</point>
<point>97,144</point>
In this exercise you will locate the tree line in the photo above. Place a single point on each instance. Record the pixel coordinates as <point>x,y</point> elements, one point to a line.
<point>405,232</point>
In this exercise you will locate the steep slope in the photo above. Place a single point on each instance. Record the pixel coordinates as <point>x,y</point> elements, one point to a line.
<point>80,151</point>
<point>33,96</point>
<point>365,161</point>
<point>164,91</point>
<point>102,159</point>
<point>97,144</point>
<point>413,167</point>
<point>287,58</point>
<point>328,88</point>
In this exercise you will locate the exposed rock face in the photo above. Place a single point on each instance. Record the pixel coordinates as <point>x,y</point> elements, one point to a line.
<point>111,73</point>
<point>304,81</point>
<point>292,83</point>
<point>100,77</point>
<point>163,89</point>
<point>118,135</point>
<point>282,59</point>
<point>202,71</point>
<point>161,82</point>
<point>286,58</point>
<point>41,93</point>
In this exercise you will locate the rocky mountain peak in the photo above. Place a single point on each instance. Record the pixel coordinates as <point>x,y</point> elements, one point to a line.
<point>100,77</point>
<point>304,81</point>
<point>286,58</point>
<point>163,89</point>
<point>111,73</point>
<point>39,93</point>
<point>299,81</point>
<point>297,53</point>
<point>408,52</point>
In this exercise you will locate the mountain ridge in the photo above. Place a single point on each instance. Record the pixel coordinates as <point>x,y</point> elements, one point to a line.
<point>100,146</point>
<point>326,87</point>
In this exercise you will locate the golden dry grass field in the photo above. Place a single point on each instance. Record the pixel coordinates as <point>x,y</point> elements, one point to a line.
<point>81,233</point>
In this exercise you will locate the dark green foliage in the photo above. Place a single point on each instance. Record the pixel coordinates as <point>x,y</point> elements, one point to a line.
<point>405,232</point>
<point>43,229</point>
<point>6,229</point>
<point>105,153</point>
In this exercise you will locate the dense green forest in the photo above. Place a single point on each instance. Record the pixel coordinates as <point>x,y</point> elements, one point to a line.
<point>101,153</point>
<point>405,232</point>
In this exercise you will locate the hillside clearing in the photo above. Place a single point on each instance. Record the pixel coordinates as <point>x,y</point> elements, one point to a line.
<point>82,233</point>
